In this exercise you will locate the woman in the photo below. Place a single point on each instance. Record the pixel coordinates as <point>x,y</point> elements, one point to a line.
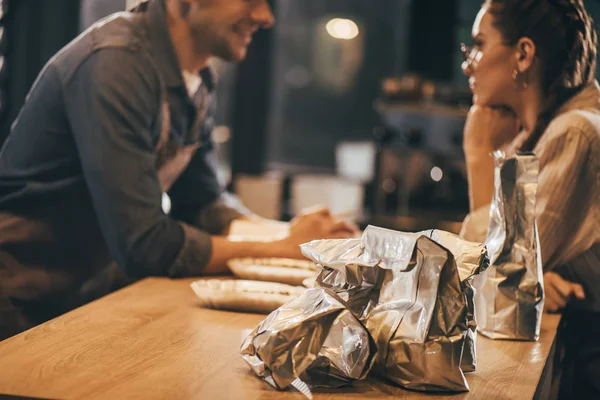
<point>532,73</point>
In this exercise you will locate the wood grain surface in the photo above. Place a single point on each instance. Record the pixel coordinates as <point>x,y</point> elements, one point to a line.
<point>152,341</point>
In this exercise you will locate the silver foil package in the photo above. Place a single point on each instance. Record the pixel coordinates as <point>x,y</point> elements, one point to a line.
<point>411,291</point>
<point>471,259</point>
<point>314,339</point>
<point>510,297</point>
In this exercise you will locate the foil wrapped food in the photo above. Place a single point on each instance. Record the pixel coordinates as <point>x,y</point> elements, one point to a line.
<point>315,339</point>
<point>511,293</point>
<point>411,291</point>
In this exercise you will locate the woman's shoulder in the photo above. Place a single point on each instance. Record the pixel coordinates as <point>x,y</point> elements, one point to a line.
<point>583,123</point>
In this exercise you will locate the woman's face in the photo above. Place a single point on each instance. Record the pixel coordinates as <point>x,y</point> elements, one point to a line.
<point>490,64</point>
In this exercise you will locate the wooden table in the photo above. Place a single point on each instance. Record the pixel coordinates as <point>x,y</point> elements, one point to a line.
<point>152,341</point>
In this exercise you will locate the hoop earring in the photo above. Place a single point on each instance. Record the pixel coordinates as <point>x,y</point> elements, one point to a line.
<point>519,79</point>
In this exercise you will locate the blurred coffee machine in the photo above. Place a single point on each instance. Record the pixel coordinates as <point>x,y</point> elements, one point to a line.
<point>420,171</point>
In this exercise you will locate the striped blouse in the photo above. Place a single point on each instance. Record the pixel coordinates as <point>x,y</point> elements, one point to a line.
<point>568,196</point>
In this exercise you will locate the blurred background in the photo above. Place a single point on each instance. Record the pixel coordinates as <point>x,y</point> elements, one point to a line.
<point>355,104</point>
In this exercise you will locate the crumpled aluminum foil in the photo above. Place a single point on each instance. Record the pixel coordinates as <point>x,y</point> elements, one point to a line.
<point>314,338</point>
<point>511,299</point>
<point>413,292</point>
<point>471,259</point>
<point>410,290</point>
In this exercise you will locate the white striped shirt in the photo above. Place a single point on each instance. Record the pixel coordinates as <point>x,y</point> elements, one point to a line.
<point>568,195</point>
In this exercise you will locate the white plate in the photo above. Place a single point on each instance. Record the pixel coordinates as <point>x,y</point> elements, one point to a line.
<point>242,295</point>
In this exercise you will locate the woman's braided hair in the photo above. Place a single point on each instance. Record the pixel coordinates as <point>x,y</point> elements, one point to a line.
<point>566,45</point>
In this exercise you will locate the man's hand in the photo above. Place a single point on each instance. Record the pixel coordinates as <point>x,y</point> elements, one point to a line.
<point>313,225</point>
<point>559,292</point>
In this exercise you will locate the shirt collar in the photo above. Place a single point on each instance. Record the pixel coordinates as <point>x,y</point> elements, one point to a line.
<point>587,97</point>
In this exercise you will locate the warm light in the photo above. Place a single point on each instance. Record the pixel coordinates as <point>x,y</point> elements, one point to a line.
<point>340,28</point>
<point>437,174</point>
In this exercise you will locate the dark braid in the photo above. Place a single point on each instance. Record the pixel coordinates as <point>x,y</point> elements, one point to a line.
<point>566,45</point>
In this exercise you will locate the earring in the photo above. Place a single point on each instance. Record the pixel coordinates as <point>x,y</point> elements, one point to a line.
<point>519,79</point>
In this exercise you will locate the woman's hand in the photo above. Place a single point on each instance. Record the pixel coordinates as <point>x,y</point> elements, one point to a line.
<point>488,129</point>
<point>559,292</point>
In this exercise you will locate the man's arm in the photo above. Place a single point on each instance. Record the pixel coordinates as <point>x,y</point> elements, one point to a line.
<point>111,102</point>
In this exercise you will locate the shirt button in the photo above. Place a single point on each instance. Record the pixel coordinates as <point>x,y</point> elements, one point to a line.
<point>166,203</point>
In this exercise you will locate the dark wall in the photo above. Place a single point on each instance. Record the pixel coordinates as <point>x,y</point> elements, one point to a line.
<point>36,30</point>
<point>432,40</point>
<point>292,118</point>
<point>250,104</point>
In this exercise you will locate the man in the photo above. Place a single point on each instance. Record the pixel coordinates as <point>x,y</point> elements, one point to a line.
<point>118,117</point>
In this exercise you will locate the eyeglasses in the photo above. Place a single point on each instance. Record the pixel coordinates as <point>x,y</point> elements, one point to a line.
<point>471,55</point>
